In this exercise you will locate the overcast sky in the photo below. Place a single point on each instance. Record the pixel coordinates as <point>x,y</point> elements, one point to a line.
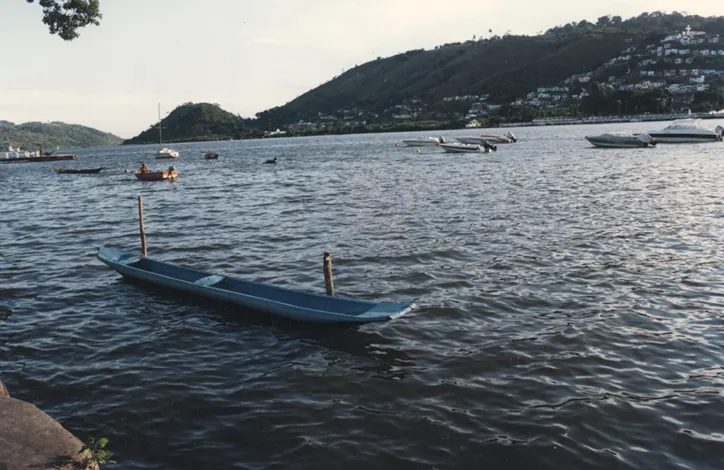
<point>246,55</point>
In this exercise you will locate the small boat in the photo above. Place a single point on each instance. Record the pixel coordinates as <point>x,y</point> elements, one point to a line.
<point>170,174</point>
<point>421,141</point>
<point>166,153</point>
<point>621,140</point>
<point>687,131</point>
<point>468,148</point>
<point>211,156</point>
<point>271,161</point>
<point>288,303</point>
<point>507,138</point>
<point>85,171</point>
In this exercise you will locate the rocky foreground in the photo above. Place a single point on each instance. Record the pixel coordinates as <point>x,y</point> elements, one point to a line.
<point>30,438</point>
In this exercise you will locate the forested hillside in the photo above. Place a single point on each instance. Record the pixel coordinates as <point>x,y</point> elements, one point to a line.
<point>31,135</point>
<point>504,68</point>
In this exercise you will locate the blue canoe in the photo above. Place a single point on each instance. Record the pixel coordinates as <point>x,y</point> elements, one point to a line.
<point>297,305</point>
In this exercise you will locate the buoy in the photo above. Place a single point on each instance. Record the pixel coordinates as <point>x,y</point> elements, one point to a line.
<point>418,149</point>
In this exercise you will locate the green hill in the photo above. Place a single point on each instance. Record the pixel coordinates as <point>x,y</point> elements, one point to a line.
<point>194,122</point>
<point>505,68</point>
<point>31,135</point>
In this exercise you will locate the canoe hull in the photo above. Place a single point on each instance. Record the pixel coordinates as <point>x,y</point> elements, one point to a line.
<point>88,171</point>
<point>288,303</point>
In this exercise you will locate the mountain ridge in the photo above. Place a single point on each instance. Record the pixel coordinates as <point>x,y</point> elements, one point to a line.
<point>33,134</point>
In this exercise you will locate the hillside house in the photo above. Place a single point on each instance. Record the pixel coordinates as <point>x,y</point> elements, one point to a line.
<point>699,79</point>
<point>714,40</point>
<point>689,60</point>
<point>678,61</point>
<point>670,73</point>
<point>704,87</point>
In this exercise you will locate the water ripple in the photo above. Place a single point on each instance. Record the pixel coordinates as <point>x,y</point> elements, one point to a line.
<point>570,305</point>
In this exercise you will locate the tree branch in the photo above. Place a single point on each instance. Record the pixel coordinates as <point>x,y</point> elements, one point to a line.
<point>66,17</point>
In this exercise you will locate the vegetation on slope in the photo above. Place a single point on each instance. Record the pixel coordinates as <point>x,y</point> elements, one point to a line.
<point>505,67</point>
<point>31,135</point>
<point>194,122</point>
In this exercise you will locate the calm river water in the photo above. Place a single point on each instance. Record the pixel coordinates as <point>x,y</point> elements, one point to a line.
<point>570,304</point>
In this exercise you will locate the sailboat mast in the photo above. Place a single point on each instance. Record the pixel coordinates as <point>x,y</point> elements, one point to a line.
<point>160,132</point>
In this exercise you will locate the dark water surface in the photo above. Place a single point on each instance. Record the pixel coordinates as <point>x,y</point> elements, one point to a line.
<point>570,301</point>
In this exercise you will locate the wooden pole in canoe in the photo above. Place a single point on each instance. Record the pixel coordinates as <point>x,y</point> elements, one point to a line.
<point>328,282</point>
<point>143,229</point>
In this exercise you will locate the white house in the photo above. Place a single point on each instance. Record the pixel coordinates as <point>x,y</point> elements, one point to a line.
<point>704,53</point>
<point>678,61</point>
<point>704,87</point>
<point>697,79</point>
<point>684,51</point>
<point>714,40</point>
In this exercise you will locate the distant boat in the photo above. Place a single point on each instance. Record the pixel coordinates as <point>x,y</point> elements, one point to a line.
<point>421,141</point>
<point>211,156</point>
<point>80,171</point>
<point>507,138</point>
<point>266,298</point>
<point>687,131</point>
<point>466,148</point>
<point>165,152</point>
<point>621,140</point>
<point>272,161</point>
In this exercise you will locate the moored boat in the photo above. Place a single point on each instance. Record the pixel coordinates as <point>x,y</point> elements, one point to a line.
<point>211,156</point>
<point>687,131</point>
<point>166,152</point>
<point>467,148</point>
<point>266,298</point>
<point>507,138</point>
<point>621,140</point>
<point>83,171</point>
<point>422,141</point>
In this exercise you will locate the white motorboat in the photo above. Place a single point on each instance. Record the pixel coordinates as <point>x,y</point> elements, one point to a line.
<point>165,152</point>
<point>621,140</point>
<point>507,138</point>
<point>420,141</point>
<point>687,130</point>
<point>466,148</point>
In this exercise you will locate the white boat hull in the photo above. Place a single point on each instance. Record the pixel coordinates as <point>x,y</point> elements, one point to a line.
<point>683,138</point>
<point>463,148</point>
<point>419,143</point>
<point>621,140</point>
<point>687,131</point>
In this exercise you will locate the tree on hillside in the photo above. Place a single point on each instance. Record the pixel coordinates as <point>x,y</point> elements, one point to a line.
<point>66,17</point>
